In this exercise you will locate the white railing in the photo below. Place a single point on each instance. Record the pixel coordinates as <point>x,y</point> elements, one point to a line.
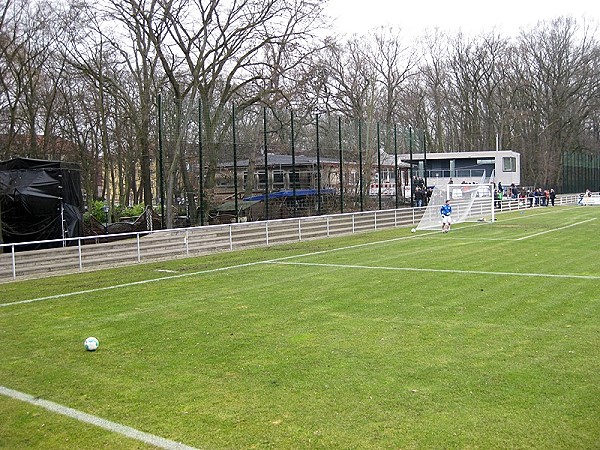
<point>511,204</point>
<point>95,252</point>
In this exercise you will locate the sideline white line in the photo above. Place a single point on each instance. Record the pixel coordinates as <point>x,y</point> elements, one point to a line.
<point>114,427</point>
<point>554,229</point>
<point>468,272</point>
<point>124,285</point>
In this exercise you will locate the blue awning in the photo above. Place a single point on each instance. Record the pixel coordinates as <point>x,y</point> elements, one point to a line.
<point>290,193</point>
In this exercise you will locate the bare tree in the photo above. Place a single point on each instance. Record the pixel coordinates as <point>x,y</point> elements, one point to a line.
<point>560,64</point>
<point>219,47</point>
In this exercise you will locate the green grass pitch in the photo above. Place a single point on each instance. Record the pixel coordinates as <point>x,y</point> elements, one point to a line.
<point>484,338</point>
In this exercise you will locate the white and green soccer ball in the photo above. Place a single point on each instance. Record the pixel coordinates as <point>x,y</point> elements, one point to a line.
<point>91,344</point>
<point>414,230</point>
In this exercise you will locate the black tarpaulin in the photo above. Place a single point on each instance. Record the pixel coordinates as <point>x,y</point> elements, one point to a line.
<point>40,200</point>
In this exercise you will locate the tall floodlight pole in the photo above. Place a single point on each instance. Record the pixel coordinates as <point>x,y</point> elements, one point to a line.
<point>1,238</point>
<point>341,165</point>
<point>161,169</point>
<point>360,165</point>
<point>318,168</point>
<point>266,163</point>
<point>235,175</point>
<point>412,184</point>
<point>293,164</point>
<point>425,158</point>
<point>200,165</point>
<point>396,171</point>
<point>379,166</point>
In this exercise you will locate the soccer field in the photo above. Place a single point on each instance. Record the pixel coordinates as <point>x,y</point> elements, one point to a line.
<point>485,337</point>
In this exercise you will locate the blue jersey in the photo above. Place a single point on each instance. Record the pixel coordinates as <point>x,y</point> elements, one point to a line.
<point>446,209</point>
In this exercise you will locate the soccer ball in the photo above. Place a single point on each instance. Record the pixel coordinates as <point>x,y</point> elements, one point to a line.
<point>414,230</point>
<point>91,344</point>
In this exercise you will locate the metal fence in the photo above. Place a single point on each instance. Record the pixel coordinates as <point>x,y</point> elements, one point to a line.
<point>580,171</point>
<point>97,252</point>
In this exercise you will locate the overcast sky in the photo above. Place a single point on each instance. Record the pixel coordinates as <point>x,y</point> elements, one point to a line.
<point>472,17</point>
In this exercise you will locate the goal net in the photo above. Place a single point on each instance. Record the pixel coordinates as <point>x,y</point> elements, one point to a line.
<point>470,203</point>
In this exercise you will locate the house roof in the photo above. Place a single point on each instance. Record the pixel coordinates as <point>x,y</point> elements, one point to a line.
<point>303,160</point>
<point>284,160</point>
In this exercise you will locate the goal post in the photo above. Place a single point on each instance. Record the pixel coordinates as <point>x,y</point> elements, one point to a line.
<point>470,203</point>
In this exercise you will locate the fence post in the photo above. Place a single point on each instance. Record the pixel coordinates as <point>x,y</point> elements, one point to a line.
<point>267,232</point>
<point>139,253</point>
<point>14,263</point>
<point>79,251</point>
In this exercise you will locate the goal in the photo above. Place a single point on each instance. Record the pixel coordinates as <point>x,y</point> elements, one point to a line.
<point>470,203</point>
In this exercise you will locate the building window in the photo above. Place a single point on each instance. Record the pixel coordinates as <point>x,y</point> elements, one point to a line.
<point>509,164</point>
<point>262,179</point>
<point>278,182</point>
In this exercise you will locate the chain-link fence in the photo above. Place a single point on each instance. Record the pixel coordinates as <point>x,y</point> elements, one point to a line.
<point>262,163</point>
<point>580,171</point>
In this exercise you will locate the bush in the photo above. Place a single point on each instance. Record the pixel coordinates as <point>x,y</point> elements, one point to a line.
<point>97,211</point>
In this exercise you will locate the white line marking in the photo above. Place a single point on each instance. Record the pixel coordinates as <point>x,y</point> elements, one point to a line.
<point>554,229</point>
<point>134,283</point>
<point>166,278</point>
<point>468,272</point>
<point>201,272</point>
<point>97,421</point>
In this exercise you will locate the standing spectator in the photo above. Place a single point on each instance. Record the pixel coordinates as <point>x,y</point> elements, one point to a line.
<point>530,197</point>
<point>552,196</point>
<point>419,197</point>
<point>536,196</point>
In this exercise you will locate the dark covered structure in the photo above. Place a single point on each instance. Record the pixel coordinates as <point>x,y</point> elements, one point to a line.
<point>39,200</point>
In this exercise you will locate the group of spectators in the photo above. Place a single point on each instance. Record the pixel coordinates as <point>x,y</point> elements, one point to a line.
<point>532,197</point>
<point>422,196</point>
<point>422,193</point>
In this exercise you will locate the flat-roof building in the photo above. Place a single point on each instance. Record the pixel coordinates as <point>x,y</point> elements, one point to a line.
<point>503,166</point>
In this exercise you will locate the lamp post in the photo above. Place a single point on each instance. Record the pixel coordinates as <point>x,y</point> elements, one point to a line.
<point>106,208</point>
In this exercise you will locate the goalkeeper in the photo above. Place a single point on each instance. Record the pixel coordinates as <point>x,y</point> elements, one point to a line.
<point>446,212</point>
